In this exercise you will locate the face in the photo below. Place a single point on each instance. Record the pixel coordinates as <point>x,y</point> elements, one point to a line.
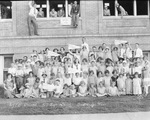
<point>107,74</point>
<point>9,76</point>
<point>136,45</point>
<point>99,74</point>
<point>31,75</point>
<point>75,2</point>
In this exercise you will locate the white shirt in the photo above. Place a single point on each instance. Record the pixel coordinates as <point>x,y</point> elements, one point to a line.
<point>33,11</point>
<point>138,52</point>
<point>86,45</point>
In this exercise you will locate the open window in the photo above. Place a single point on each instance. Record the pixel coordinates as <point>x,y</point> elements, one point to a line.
<point>5,9</point>
<point>109,5</point>
<point>60,8</point>
<point>142,7</point>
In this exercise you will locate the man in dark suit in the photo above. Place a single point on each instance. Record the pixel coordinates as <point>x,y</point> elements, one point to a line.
<point>75,11</point>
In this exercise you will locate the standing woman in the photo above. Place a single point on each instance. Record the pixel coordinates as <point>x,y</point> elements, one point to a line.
<point>9,87</point>
<point>75,11</point>
<point>32,18</point>
<point>146,77</point>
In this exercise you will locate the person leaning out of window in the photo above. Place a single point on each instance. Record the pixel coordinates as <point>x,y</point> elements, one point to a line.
<point>122,12</point>
<point>61,13</point>
<point>53,13</point>
<point>40,13</point>
<point>106,11</point>
<point>75,12</point>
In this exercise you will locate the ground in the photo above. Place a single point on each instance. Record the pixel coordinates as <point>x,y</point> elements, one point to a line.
<point>78,105</point>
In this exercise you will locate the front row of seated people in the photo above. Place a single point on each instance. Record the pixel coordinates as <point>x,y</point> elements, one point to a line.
<point>80,85</point>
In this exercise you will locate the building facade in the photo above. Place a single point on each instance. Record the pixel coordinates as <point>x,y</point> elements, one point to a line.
<point>15,41</point>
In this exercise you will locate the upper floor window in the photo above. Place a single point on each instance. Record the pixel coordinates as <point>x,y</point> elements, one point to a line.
<point>5,9</point>
<point>125,7</point>
<point>54,9</point>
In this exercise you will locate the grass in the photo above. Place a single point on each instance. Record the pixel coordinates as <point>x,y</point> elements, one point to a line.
<point>79,105</point>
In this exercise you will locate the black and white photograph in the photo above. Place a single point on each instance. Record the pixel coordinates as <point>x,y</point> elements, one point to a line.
<point>75,60</point>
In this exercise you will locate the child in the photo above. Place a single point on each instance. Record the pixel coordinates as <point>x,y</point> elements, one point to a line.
<point>101,90</point>
<point>100,78</point>
<point>50,89</point>
<point>65,91</point>
<point>36,90</point>
<point>67,79</point>
<point>128,85</point>
<point>85,77</point>
<point>82,90</point>
<point>107,80</point>
<point>73,91</point>
<point>93,68</point>
<point>113,91</point>
<point>9,87</point>
<point>137,85</point>
<point>76,79</point>
<point>92,79</point>
<point>121,84</point>
<point>92,90</point>
<point>58,88</point>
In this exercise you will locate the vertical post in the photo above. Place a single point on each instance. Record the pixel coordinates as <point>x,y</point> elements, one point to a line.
<point>116,12</point>
<point>66,6</point>
<point>0,13</point>
<point>48,8</point>
<point>135,7</point>
<point>1,69</point>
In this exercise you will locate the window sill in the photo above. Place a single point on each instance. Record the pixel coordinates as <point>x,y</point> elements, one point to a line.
<point>5,20</point>
<point>57,18</point>
<point>125,17</point>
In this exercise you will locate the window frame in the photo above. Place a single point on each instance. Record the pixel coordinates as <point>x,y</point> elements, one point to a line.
<point>116,16</point>
<point>55,18</point>
<point>6,19</point>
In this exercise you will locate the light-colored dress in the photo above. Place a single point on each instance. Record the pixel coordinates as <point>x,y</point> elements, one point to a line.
<point>128,86</point>
<point>137,86</point>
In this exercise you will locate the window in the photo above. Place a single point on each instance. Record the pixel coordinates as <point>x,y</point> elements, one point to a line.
<point>127,5</point>
<point>53,8</point>
<point>5,10</point>
<point>142,7</point>
<point>130,7</point>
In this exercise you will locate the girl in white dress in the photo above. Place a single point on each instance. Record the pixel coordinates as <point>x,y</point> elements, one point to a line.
<point>107,80</point>
<point>100,78</point>
<point>113,91</point>
<point>101,90</point>
<point>68,79</point>
<point>9,87</point>
<point>137,85</point>
<point>92,90</point>
<point>82,90</point>
<point>85,66</point>
<point>73,91</point>
<point>128,85</point>
<point>121,84</point>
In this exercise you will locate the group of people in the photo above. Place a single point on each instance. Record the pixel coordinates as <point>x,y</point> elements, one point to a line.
<point>80,71</point>
<point>74,12</point>
<point>120,9</point>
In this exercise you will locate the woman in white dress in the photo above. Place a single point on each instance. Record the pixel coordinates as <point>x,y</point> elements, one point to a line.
<point>137,85</point>
<point>146,77</point>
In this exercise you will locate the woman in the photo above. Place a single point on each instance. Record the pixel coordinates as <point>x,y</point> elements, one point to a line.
<point>9,87</point>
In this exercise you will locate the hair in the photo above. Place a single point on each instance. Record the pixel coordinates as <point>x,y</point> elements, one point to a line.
<point>31,72</point>
<point>9,74</point>
<point>84,60</point>
<point>114,71</point>
<point>62,48</point>
<point>107,71</point>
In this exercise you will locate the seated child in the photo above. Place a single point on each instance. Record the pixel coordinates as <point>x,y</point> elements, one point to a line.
<point>107,80</point>
<point>73,91</point>
<point>92,78</point>
<point>50,89</point>
<point>113,91</point>
<point>58,88</point>
<point>65,91</point>
<point>121,84</point>
<point>92,90</point>
<point>82,90</point>
<point>101,90</point>
<point>36,90</point>
<point>9,87</point>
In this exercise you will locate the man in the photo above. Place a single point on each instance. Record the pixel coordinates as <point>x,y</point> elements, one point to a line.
<point>32,18</point>
<point>138,53</point>
<point>53,13</point>
<point>84,43</point>
<point>61,13</point>
<point>75,11</point>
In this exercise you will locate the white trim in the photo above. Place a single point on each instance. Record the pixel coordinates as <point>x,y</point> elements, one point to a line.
<point>6,20</point>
